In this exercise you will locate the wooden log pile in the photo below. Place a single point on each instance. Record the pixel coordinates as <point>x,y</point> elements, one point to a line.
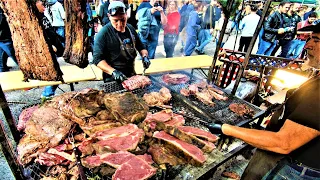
<point>36,59</point>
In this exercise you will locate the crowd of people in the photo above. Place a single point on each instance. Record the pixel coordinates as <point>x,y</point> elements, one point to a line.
<point>192,23</point>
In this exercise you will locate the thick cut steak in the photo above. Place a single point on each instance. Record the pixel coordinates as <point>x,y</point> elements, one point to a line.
<point>177,120</point>
<point>205,146</point>
<point>123,143</point>
<point>136,82</point>
<point>147,158</point>
<point>112,159</point>
<point>116,132</point>
<point>199,133</point>
<point>190,150</point>
<point>163,155</point>
<point>175,78</point>
<point>126,107</point>
<point>134,169</point>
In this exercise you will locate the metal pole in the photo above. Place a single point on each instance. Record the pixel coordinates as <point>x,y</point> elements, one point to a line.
<point>9,154</point>
<point>8,116</point>
<point>224,27</point>
<point>252,42</point>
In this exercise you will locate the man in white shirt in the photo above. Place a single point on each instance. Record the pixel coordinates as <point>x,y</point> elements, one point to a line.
<point>56,15</point>
<point>248,25</point>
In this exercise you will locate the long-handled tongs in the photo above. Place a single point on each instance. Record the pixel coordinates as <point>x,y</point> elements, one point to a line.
<point>77,154</point>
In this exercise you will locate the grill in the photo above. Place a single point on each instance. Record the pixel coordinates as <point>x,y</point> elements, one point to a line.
<point>220,111</point>
<point>214,159</point>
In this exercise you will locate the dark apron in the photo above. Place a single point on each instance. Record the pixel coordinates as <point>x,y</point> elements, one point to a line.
<point>125,61</point>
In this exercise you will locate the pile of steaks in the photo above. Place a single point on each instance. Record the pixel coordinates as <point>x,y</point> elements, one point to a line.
<point>114,132</point>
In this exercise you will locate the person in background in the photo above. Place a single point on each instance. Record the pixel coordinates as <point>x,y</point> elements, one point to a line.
<point>184,17</point>
<point>57,16</point>
<point>171,29</point>
<point>260,9</point>
<point>103,13</point>
<point>55,45</point>
<point>151,34</point>
<point>90,21</point>
<point>290,20</point>
<point>248,25</point>
<point>217,13</point>
<point>289,147</point>
<point>207,27</point>
<point>132,12</point>
<point>193,27</point>
<point>272,29</point>
<point>298,44</point>
<point>6,44</point>
<point>116,44</point>
<point>309,11</point>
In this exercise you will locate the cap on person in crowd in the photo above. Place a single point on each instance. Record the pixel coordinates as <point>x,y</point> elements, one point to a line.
<point>116,7</point>
<point>313,28</point>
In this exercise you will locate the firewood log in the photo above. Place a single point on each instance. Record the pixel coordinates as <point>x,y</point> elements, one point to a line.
<point>35,57</point>
<point>76,28</point>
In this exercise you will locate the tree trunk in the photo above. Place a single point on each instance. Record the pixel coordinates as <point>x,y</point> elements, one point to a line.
<point>32,51</point>
<point>76,27</point>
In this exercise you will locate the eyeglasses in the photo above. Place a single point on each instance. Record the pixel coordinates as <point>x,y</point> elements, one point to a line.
<point>114,11</point>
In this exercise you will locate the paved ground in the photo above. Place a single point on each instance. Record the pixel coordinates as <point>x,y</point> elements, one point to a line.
<point>32,96</point>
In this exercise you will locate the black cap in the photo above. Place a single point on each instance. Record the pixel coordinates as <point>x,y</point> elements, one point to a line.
<point>313,28</point>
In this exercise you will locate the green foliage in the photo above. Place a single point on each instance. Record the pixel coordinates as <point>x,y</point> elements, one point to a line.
<point>232,12</point>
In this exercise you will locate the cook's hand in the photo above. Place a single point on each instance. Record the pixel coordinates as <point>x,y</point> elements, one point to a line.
<point>215,128</point>
<point>146,62</point>
<point>118,76</point>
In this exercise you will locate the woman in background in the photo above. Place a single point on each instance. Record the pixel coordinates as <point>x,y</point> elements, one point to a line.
<point>171,29</point>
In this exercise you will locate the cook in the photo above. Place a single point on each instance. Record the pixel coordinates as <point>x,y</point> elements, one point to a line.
<point>116,44</point>
<point>289,148</point>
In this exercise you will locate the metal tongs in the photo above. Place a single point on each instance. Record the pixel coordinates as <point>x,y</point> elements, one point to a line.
<point>77,154</point>
<point>144,71</point>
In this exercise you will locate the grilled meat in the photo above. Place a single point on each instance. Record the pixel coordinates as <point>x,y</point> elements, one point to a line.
<point>158,98</point>
<point>162,155</point>
<point>175,78</point>
<point>136,82</point>
<point>241,109</point>
<point>126,107</point>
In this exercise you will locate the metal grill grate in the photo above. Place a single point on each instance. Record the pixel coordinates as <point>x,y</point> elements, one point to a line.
<point>220,110</point>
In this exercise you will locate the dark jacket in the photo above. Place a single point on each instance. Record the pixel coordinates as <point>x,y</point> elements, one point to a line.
<point>103,14</point>
<point>290,21</point>
<point>107,47</point>
<point>209,18</point>
<point>271,27</point>
<point>5,34</point>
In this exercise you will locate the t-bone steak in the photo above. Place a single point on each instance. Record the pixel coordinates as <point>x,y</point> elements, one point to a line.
<point>190,150</point>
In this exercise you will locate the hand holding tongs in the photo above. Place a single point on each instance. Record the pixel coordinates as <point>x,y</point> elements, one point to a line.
<point>77,154</point>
